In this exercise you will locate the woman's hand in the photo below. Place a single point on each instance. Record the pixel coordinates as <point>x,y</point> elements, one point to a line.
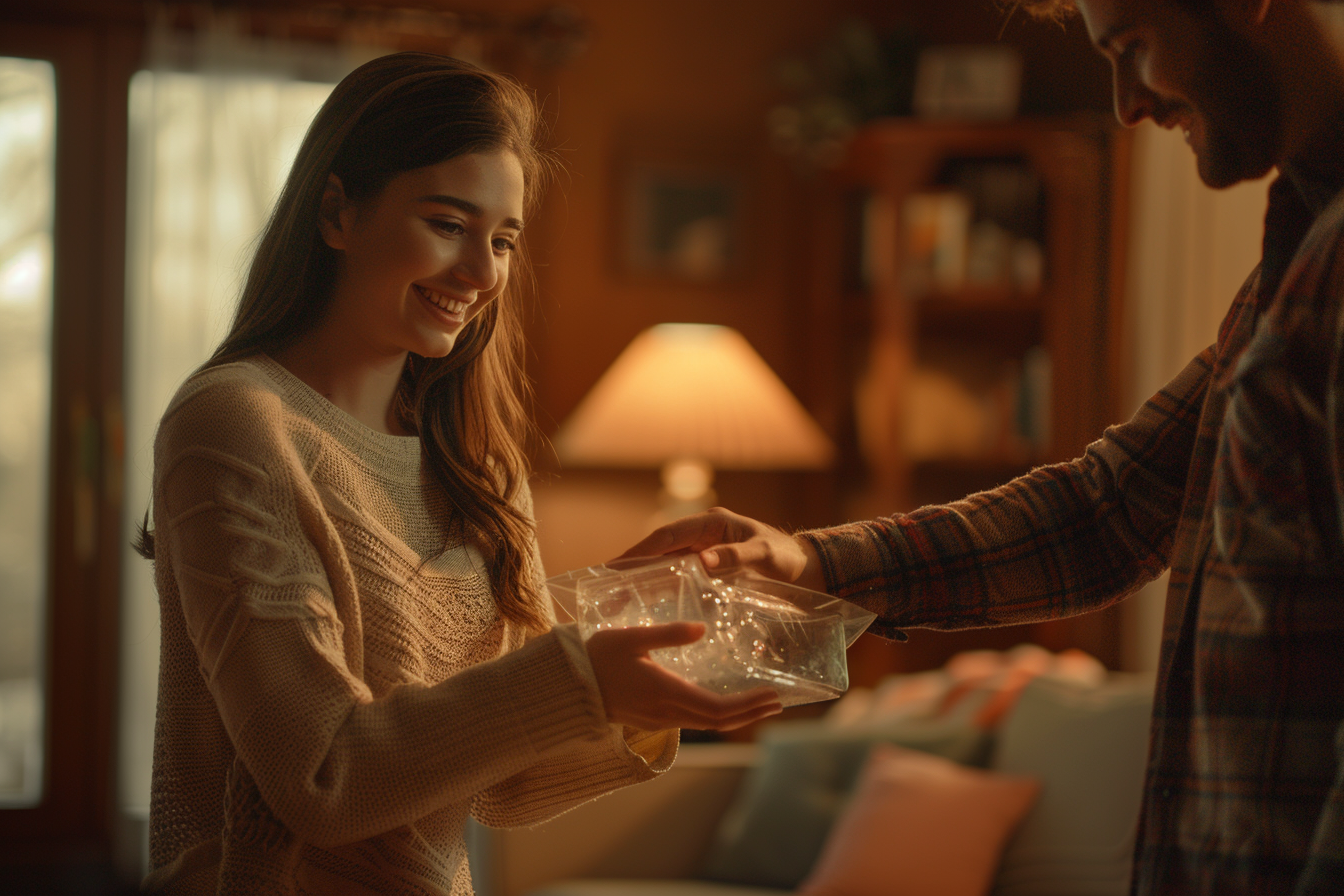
<point>638,692</point>
<point>725,540</point>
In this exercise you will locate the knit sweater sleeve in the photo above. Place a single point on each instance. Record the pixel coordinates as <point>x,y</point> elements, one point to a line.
<point>625,756</point>
<point>268,599</point>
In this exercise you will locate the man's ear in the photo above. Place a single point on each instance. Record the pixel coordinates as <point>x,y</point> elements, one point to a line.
<point>336,214</point>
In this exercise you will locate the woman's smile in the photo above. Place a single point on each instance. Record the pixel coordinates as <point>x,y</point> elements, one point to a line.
<point>453,310</point>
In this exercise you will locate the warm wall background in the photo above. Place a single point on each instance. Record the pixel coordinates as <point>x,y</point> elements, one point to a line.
<point>693,81</point>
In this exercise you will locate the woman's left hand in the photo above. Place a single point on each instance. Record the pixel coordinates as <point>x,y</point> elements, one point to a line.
<point>638,692</point>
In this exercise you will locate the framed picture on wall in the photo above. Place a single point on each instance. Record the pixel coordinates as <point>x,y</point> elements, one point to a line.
<point>682,221</point>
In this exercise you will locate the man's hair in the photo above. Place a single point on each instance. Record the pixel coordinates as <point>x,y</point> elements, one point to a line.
<point>1050,10</point>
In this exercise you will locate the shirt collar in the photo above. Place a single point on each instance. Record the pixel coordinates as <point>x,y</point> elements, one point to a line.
<point>1305,186</point>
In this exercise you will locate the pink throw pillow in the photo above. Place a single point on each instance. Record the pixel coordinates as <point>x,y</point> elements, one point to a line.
<point>920,825</point>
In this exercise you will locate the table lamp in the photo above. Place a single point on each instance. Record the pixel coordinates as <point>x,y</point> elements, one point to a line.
<point>688,398</point>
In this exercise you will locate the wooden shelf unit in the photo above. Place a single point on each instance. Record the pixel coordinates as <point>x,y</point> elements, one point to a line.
<point>870,329</point>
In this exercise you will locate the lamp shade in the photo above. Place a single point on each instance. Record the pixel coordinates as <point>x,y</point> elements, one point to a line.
<point>692,391</point>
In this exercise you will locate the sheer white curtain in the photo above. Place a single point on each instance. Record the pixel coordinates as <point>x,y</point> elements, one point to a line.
<point>1190,250</point>
<point>215,121</point>
<point>27,179</point>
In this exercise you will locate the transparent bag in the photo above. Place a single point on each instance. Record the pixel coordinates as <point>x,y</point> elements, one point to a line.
<point>757,631</point>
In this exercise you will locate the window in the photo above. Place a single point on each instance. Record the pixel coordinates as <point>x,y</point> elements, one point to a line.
<point>208,155</point>
<point>27,175</point>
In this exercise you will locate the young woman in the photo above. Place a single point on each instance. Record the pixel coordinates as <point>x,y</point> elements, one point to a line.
<point>357,646</point>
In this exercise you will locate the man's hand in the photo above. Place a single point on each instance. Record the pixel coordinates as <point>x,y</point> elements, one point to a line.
<point>638,692</point>
<point>725,540</point>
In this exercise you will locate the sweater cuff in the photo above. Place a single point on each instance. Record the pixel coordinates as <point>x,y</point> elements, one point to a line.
<point>562,703</point>
<point>657,749</point>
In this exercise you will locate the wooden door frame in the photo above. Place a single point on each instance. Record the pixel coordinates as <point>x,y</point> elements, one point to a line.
<point>68,840</point>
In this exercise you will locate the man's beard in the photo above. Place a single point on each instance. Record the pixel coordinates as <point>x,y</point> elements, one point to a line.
<point>1240,108</point>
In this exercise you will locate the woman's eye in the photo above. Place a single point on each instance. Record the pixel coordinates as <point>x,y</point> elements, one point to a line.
<point>504,245</point>
<point>447,226</point>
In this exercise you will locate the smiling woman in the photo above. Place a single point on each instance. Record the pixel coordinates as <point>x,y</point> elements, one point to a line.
<point>357,648</point>
<point>417,262</point>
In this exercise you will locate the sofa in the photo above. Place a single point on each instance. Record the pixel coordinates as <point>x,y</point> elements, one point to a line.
<point>1016,785</point>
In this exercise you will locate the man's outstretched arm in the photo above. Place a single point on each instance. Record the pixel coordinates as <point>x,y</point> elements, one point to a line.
<point>1060,540</point>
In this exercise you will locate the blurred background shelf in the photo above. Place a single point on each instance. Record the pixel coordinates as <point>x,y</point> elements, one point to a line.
<point>960,368</point>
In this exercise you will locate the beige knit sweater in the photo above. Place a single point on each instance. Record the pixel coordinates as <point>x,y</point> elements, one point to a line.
<point>333,704</point>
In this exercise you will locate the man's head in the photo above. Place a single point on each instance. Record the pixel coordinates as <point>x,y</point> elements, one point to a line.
<point>1221,70</point>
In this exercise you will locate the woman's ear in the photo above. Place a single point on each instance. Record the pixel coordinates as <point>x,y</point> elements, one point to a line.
<point>335,216</point>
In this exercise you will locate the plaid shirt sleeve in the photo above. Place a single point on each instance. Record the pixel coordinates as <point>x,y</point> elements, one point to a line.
<point>1061,540</point>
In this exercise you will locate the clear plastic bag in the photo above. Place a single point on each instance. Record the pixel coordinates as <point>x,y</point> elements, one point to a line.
<point>757,631</point>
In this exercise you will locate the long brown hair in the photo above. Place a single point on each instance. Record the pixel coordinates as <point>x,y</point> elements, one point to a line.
<point>391,115</point>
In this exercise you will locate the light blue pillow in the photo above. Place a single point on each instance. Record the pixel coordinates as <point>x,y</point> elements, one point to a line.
<point>774,831</point>
<point>1088,746</point>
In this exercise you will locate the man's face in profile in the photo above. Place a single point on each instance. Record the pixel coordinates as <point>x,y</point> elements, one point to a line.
<point>1183,65</point>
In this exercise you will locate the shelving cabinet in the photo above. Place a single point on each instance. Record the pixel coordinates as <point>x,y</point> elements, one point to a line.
<point>941,380</point>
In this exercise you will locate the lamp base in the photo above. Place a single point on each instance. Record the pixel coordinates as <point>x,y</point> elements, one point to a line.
<point>688,487</point>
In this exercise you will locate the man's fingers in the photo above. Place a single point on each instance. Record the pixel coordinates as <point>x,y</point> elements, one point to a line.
<point>728,556</point>
<point>677,536</point>
<point>753,554</point>
<point>691,533</point>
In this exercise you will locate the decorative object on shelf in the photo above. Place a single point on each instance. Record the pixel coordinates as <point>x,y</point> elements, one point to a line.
<point>937,227</point>
<point>979,225</point>
<point>854,76</point>
<point>979,407</point>
<point>969,83</point>
<point>687,398</point>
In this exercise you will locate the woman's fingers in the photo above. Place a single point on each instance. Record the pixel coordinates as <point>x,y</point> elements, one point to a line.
<point>637,691</point>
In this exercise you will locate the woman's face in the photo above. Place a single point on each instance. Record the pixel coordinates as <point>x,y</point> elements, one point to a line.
<point>427,254</point>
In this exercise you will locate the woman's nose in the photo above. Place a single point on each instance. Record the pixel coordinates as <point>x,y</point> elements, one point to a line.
<point>477,266</point>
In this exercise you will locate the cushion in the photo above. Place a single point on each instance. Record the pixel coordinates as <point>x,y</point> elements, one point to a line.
<point>1089,747</point>
<point>920,824</point>
<point>773,832</point>
<point>648,888</point>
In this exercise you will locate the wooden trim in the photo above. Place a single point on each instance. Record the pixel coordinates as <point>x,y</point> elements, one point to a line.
<point>72,826</point>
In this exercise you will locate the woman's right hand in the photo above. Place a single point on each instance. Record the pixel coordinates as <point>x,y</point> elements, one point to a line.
<point>638,692</point>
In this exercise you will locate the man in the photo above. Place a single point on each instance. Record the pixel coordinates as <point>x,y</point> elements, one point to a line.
<point>1232,475</point>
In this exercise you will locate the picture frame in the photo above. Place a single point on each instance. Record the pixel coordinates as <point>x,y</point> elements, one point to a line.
<point>682,221</point>
<point>974,82</point>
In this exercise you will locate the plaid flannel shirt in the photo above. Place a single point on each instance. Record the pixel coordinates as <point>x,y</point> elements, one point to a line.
<point>1232,476</point>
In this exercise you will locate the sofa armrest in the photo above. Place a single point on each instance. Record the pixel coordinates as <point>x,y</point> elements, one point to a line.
<point>660,829</point>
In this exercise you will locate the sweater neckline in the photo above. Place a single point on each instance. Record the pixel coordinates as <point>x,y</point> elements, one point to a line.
<point>403,451</point>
